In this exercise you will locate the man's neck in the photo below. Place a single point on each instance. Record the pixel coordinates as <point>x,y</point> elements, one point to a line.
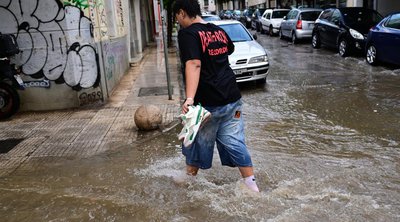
<point>197,19</point>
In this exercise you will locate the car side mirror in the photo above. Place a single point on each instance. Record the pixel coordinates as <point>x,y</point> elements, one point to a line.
<point>255,36</point>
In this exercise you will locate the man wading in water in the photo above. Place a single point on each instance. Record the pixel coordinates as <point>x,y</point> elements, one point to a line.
<point>210,81</point>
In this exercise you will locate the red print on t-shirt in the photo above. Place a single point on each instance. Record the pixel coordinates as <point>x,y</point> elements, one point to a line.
<point>214,36</point>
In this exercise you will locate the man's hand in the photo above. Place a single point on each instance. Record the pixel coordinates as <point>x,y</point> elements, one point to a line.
<point>185,106</point>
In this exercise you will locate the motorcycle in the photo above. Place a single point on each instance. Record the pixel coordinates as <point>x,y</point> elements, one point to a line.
<point>10,79</point>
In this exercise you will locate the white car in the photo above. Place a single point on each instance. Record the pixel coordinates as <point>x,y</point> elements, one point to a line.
<point>249,61</point>
<point>271,20</point>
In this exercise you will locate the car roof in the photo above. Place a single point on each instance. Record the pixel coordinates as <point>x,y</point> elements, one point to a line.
<point>307,9</point>
<point>208,15</point>
<point>278,9</point>
<point>225,22</point>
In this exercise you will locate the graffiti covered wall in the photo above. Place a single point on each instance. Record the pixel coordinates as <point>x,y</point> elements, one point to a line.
<point>59,41</point>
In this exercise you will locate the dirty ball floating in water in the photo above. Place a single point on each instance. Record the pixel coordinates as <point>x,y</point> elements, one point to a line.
<point>148,117</point>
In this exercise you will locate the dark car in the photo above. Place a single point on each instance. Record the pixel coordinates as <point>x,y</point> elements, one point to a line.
<point>256,19</point>
<point>228,14</point>
<point>345,29</point>
<point>236,14</point>
<point>383,41</point>
<point>245,18</point>
<point>221,14</point>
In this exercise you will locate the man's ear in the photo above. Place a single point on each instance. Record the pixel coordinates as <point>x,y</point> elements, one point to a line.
<point>183,13</point>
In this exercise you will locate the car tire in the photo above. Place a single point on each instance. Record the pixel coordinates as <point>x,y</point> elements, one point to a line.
<point>294,38</point>
<point>271,31</point>
<point>261,81</point>
<point>258,27</point>
<point>371,54</point>
<point>316,41</point>
<point>343,48</point>
<point>280,34</point>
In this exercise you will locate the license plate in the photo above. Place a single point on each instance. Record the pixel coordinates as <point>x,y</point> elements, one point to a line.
<point>310,25</point>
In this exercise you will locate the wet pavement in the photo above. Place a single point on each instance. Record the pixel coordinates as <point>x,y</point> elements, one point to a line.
<point>324,137</point>
<point>86,131</point>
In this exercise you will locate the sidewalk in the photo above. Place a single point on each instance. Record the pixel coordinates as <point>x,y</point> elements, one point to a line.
<point>83,132</point>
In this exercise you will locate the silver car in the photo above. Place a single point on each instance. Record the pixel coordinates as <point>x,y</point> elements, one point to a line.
<point>299,23</point>
<point>249,61</point>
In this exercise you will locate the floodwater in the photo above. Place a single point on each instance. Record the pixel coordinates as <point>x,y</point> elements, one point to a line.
<point>323,133</point>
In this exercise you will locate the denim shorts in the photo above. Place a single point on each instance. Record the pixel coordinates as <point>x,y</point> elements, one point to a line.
<point>226,128</point>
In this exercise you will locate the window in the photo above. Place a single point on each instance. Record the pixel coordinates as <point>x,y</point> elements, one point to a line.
<point>294,15</point>
<point>279,14</point>
<point>309,16</point>
<point>268,16</point>
<point>394,21</point>
<point>336,17</point>
<point>326,15</point>
<point>289,15</point>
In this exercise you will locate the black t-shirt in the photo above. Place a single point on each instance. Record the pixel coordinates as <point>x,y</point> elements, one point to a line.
<point>210,44</point>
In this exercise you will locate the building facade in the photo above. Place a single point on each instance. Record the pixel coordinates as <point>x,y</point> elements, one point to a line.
<point>75,52</point>
<point>382,6</point>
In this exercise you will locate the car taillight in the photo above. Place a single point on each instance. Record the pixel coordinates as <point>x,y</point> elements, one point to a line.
<point>299,24</point>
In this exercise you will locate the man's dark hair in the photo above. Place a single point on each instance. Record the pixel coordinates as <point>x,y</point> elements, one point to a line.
<point>191,7</point>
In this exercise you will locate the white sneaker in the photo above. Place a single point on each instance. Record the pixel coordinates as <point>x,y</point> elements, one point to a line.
<point>192,120</point>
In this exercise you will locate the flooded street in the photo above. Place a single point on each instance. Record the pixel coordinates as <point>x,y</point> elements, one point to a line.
<point>324,137</point>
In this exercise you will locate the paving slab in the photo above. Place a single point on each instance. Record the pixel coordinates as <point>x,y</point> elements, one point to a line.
<point>87,131</point>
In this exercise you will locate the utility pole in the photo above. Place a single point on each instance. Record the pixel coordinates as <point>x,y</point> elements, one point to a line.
<point>164,37</point>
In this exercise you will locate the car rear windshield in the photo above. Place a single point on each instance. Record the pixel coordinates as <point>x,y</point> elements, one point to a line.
<point>236,32</point>
<point>309,16</point>
<point>361,16</point>
<point>279,14</point>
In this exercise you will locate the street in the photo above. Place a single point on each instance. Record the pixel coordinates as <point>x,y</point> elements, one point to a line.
<point>323,133</point>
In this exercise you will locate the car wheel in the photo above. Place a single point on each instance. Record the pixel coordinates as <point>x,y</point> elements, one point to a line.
<point>280,34</point>
<point>258,27</point>
<point>316,42</point>
<point>343,48</point>
<point>262,30</point>
<point>371,55</point>
<point>271,31</point>
<point>294,38</point>
<point>261,81</point>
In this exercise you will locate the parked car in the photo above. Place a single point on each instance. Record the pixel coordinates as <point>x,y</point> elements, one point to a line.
<point>245,18</point>
<point>210,17</point>
<point>271,20</point>
<point>236,14</point>
<point>249,61</point>
<point>383,41</point>
<point>228,14</point>
<point>221,14</point>
<point>299,23</point>
<point>255,19</point>
<point>344,29</point>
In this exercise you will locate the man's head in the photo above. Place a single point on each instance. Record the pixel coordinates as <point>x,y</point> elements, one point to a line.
<point>186,9</point>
